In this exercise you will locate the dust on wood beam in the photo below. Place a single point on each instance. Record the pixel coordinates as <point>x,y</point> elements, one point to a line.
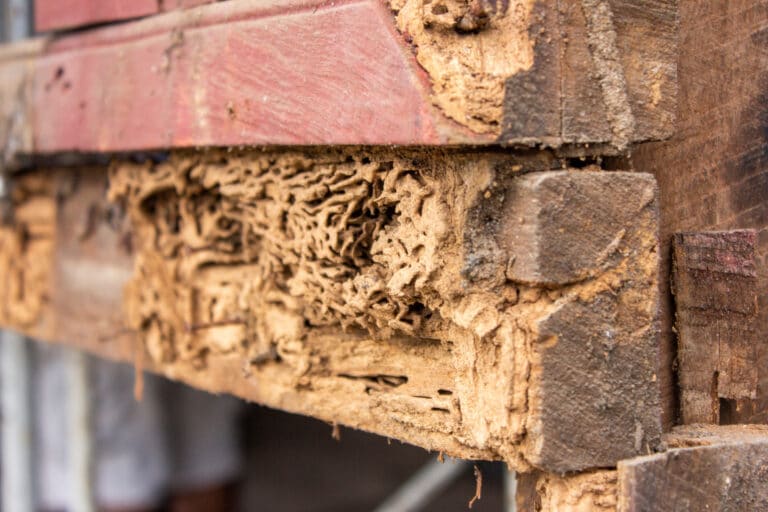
<point>454,300</point>
<point>719,468</point>
<point>596,73</point>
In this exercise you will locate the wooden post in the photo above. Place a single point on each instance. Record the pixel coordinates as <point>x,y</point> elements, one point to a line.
<point>715,289</point>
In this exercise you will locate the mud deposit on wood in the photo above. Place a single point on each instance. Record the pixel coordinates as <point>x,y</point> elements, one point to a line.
<point>26,247</point>
<point>587,492</point>
<point>469,48</point>
<point>595,491</point>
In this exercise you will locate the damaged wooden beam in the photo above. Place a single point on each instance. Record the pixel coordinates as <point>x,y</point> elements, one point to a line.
<point>704,468</point>
<point>716,288</point>
<point>470,303</point>
<point>589,72</point>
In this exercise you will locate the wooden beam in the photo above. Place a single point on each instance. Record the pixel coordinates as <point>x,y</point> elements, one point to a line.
<point>360,72</point>
<point>62,14</point>
<point>713,173</point>
<point>707,469</point>
<point>377,289</point>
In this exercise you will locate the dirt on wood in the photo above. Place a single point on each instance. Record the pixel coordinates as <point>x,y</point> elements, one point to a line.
<point>469,48</point>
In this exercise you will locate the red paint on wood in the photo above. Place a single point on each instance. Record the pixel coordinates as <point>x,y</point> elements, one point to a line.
<point>65,14</point>
<point>283,73</point>
<point>60,14</point>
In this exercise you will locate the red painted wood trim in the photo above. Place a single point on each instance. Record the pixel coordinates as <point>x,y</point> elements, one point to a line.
<point>287,72</point>
<point>65,14</point>
<point>61,14</point>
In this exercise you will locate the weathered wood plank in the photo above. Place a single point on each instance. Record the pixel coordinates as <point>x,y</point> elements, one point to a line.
<point>720,470</point>
<point>715,290</point>
<point>359,72</point>
<point>713,172</point>
<point>268,75</point>
<point>370,289</point>
<point>705,468</point>
<point>61,14</point>
<point>590,491</point>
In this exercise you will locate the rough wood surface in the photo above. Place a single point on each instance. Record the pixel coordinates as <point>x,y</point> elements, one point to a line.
<point>713,172</point>
<point>715,290</point>
<point>591,491</point>
<point>372,289</point>
<point>588,491</point>
<point>16,129</point>
<point>68,14</point>
<point>722,470</point>
<point>616,69</point>
<point>705,468</point>
<point>361,72</point>
<point>61,14</point>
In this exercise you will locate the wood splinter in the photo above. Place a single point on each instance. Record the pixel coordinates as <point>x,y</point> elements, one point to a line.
<point>478,486</point>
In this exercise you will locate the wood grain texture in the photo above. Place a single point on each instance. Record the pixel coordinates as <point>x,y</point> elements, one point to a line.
<point>386,308</point>
<point>705,467</point>
<point>16,128</point>
<point>593,352</point>
<point>721,470</point>
<point>712,173</point>
<point>715,290</point>
<point>271,76</point>
<point>358,72</point>
<point>604,71</point>
<point>68,14</point>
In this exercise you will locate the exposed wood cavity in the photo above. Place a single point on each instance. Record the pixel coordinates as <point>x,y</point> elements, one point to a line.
<point>387,290</point>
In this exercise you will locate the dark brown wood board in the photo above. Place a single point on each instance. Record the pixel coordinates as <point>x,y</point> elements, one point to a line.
<point>713,173</point>
<point>714,283</point>
<point>705,468</point>
<point>723,470</point>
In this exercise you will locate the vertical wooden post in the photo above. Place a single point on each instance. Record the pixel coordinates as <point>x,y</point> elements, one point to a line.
<point>715,289</point>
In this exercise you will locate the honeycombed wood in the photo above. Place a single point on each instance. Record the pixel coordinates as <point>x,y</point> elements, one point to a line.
<point>376,289</point>
<point>713,172</point>
<point>594,72</point>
